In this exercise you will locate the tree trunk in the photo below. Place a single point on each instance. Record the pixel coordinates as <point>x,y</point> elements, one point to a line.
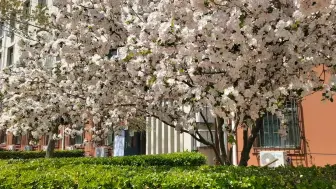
<point>51,147</point>
<point>217,154</point>
<point>219,125</point>
<point>51,143</point>
<point>248,142</point>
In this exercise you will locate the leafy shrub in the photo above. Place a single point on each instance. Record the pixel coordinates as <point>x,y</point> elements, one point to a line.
<point>39,154</point>
<point>54,174</point>
<point>174,159</point>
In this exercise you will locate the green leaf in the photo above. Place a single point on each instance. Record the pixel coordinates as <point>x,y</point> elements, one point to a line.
<point>231,139</point>
<point>172,24</point>
<point>152,80</point>
<point>295,26</point>
<point>242,20</point>
<point>129,57</point>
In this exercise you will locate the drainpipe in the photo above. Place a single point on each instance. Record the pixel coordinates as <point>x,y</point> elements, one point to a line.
<point>234,146</point>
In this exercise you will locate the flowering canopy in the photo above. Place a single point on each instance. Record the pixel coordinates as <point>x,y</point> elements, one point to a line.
<point>241,58</point>
<point>80,84</point>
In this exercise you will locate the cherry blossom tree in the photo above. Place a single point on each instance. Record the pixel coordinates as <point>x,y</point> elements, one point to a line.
<point>241,58</point>
<point>40,94</point>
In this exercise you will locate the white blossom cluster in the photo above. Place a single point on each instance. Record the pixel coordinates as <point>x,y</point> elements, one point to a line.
<point>80,85</point>
<point>242,58</point>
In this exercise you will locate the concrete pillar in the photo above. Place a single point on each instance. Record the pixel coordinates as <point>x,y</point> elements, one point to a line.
<point>165,140</point>
<point>188,142</point>
<point>177,141</point>
<point>148,135</point>
<point>158,139</point>
<point>182,142</point>
<point>171,139</point>
<point>153,142</point>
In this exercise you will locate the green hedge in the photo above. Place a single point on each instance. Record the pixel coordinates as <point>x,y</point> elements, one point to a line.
<point>53,174</point>
<point>174,159</point>
<point>39,154</point>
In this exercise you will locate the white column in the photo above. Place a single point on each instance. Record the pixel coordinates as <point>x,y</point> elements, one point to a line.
<point>234,146</point>
<point>171,139</point>
<point>148,135</point>
<point>153,142</point>
<point>158,138</point>
<point>182,142</point>
<point>188,143</point>
<point>165,140</point>
<point>176,141</point>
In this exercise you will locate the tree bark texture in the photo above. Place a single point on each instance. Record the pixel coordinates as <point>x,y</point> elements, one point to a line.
<point>248,142</point>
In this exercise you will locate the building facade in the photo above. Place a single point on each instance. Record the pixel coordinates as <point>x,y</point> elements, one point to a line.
<point>310,134</point>
<point>308,140</point>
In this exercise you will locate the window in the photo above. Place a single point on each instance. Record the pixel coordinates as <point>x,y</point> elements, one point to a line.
<point>26,8</point>
<point>3,137</point>
<point>49,62</point>
<point>16,140</point>
<point>207,136</point>
<point>26,14</point>
<point>1,33</point>
<point>110,138</point>
<point>1,29</point>
<point>112,53</point>
<point>10,56</point>
<point>42,3</point>
<point>12,26</point>
<point>78,139</point>
<point>269,136</point>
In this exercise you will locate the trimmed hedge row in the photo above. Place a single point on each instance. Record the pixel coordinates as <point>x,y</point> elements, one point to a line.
<point>31,174</point>
<point>174,159</point>
<point>39,154</point>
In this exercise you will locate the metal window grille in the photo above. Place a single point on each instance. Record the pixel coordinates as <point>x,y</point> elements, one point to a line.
<point>269,136</point>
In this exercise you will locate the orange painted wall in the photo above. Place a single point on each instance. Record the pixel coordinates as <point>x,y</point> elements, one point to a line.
<point>319,125</point>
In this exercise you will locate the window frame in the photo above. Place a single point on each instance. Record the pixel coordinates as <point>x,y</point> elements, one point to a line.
<point>16,140</point>
<point>10,57</point>
<point>42,3</point>
<point>294,131</point>
<point>3,137</point>
<point>73,140</point>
